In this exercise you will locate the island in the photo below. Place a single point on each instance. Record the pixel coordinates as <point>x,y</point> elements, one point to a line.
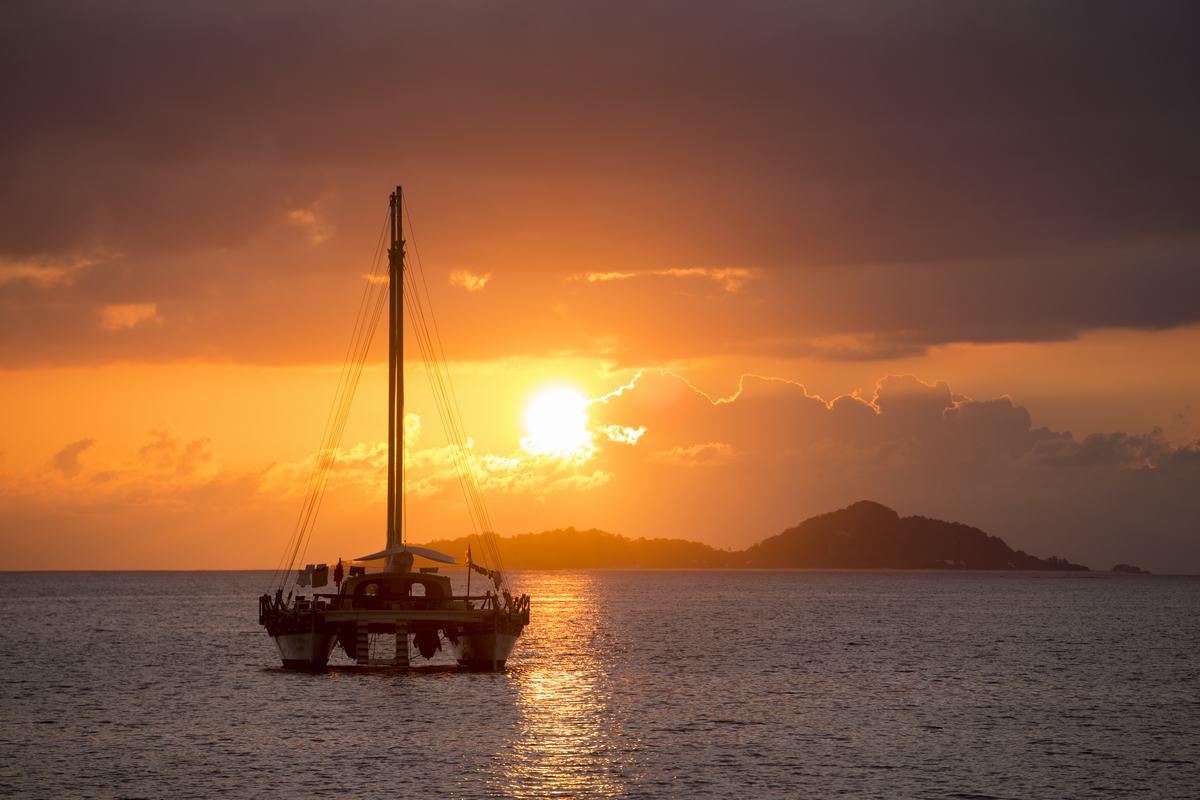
<point>865,535</point>
<point>1129,569</point>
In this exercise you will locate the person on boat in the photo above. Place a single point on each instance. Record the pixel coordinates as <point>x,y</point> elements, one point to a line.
<point>338,573</point>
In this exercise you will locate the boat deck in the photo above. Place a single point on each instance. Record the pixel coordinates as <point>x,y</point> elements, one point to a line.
<point>481,621</point>
<point>332,610</point>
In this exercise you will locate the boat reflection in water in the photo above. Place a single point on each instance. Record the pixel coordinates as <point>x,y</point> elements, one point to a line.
<point>570,739</point>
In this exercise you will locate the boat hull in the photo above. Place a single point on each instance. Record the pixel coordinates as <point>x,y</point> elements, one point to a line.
<point>306,650</point>
<point>485,651</point>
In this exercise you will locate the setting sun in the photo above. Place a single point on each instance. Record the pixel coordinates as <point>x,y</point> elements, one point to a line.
<point>556,422</point>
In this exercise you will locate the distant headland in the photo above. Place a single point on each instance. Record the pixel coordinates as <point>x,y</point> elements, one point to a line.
<point>865,535</point>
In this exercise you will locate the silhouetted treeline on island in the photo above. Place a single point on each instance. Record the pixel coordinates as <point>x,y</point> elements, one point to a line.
<point>865,535</point>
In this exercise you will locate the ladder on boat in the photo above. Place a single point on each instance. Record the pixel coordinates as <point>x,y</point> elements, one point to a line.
<point>362,647</point>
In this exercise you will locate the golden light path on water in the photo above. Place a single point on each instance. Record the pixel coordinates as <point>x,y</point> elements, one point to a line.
<point>569,740</point>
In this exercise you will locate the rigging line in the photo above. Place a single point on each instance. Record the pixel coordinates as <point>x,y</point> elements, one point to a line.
<point>345,415</point>
<point>339,400</point>
<point>323,453</point>
<point>465,472</point>
<point>457,448</point>
<point>339,392</point>
<point>433,370</point>
<point>326,470</point>
<point>443,362</point>
<point>330,439</point>
<point>324,466</point>
<point>456,416</point>
<point>441,374</point>
<point>327,452</point>
<point>436,373</point>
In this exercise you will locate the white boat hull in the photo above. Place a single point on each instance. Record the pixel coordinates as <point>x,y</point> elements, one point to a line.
<point>484,650</point>
<point>306,650</point>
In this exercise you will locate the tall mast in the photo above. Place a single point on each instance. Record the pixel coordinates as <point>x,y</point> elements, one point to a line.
<point>395,512</point>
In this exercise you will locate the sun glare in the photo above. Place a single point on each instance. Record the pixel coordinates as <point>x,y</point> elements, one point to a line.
<point>556,422</point>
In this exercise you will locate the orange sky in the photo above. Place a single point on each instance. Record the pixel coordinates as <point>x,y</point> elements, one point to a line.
<point>820,195</point>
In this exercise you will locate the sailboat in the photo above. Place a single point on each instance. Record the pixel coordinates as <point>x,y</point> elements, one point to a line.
<point>418,608</point>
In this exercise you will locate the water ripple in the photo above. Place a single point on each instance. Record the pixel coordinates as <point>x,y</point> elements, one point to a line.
<point>628,684</point>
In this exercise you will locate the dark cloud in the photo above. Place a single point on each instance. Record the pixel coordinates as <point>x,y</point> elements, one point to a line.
<point>903,174</point>
<point>66,460</point>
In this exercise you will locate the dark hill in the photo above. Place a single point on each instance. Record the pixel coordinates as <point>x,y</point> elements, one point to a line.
<point>865,535</point>
<point>868,535</point>
<point>567,548</point>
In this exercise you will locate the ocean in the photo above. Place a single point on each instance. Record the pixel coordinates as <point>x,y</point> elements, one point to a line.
<point>626,684</point>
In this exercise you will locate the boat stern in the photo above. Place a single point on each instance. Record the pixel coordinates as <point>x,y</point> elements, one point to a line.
<point>305,650</point>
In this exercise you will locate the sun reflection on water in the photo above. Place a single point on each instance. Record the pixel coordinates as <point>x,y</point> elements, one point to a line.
<point>569,741</point>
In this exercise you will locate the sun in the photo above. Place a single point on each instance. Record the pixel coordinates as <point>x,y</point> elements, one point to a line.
<point>556,423</point>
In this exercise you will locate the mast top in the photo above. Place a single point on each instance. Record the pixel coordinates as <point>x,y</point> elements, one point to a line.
<point>396,206</point>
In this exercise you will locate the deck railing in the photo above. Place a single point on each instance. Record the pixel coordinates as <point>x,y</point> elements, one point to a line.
<point>514,608</point>
<point>483,602</point>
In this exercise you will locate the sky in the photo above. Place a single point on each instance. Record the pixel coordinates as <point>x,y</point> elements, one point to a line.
<point>789,255</point>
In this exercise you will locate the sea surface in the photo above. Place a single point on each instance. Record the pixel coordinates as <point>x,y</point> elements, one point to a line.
<point>627,684</point>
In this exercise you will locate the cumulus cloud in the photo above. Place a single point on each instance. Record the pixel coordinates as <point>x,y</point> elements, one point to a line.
<point>624,433</point>
<point>167,453</point>
<point>312,221</point>
<point>730,279</point>
<point>696,455</point>
<point>41,272</point>
<point>129,315</point>
<point>604,277</point>
<point>164,470</point>
<point>434,471</point>
<point>161,506</point>
<point>362,467</point>
<point>471,281</point>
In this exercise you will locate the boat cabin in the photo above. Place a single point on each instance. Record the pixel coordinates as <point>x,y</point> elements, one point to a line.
<point>380,590</point>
